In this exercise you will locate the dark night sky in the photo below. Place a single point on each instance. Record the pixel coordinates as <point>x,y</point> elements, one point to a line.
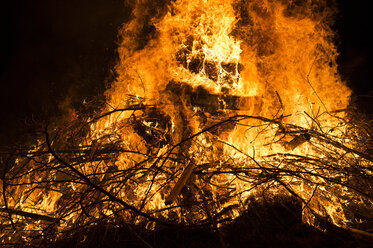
<point>354,27</point>
<point>56,48</point>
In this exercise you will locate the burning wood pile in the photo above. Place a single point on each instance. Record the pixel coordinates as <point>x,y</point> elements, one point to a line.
<point>207,117</point>
<point>69,181</point>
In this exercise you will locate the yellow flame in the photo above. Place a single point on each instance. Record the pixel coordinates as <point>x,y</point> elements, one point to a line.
<point>205,62</point>
<point>277,52</point>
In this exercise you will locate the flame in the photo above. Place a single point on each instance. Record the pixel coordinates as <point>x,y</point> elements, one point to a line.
<point>277,57</point>
<point>251,85</point>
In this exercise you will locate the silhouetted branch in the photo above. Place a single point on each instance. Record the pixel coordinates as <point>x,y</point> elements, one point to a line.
<point>103,191</point>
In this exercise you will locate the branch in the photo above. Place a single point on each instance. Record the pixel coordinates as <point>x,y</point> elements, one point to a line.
<point>30,215</point>
<point>96,187</point>
<point>180,183</point>
<point>4,193</point>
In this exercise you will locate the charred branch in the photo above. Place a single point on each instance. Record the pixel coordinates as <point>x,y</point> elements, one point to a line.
<point>99,189</point>
<point>30,215</point>
<point>205,194</point>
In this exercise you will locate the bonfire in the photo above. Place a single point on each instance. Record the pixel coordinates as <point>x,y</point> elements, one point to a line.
<point>220,105</point>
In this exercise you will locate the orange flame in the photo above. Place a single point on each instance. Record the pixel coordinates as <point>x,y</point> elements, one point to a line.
<point>276,57</point>
<point>249,83</point>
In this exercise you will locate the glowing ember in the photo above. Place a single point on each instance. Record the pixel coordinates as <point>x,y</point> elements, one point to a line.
<point>226,101</point>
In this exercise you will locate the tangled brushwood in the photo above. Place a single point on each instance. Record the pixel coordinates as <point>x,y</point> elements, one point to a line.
<point>217,108</point>
<point>133,172</point>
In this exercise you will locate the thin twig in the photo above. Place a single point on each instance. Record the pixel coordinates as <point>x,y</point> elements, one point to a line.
<point>103,191</point>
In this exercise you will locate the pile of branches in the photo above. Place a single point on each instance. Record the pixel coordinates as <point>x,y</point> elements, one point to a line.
<point>74,177</point>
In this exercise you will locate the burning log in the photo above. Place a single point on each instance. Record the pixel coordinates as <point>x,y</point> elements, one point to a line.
<point>297,141</point>
<point>214,102</point>
<point>30,215</point>
<point>180,183</point>
<point>200,97</point>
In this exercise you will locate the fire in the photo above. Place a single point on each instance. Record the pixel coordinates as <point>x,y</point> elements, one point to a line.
<point>216,59</point>
<point>223,101</point>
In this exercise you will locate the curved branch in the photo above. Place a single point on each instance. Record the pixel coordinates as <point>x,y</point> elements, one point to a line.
<point>96,187</point>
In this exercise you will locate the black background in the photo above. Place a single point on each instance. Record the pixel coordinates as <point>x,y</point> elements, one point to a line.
<point>53,49</point>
